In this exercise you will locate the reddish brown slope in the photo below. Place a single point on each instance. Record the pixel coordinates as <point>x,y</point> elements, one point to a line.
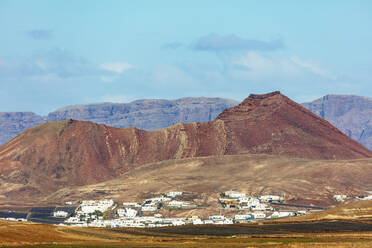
<point>58,154</point>
<point>274,124</point>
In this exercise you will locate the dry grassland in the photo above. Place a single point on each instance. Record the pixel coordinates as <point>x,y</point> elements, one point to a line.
<point>299,180</point>
<point>37,235</point>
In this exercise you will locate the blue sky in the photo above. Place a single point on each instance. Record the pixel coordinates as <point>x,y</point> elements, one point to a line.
<point>57,53</point>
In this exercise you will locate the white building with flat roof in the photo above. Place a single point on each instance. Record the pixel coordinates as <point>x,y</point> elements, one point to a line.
<point>243,217</point>
<point>91,206</point>
<point>234,194</point>
<point>127,212</point>
<point>217,217</point>
<point>269,198</point>
<point>176,204</point>
<point>60,214</point>
<point>259,215</point>
<point>174,193</point>
<point>131,205</point>
<point>277,214</point>
<point>149,208</point>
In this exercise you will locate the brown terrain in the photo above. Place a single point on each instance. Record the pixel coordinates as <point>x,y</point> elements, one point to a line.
<point>55,155</point>
<point>298,180</point>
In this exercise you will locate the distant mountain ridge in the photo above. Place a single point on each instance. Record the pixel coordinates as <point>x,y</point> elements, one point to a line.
<point>350,113</point>
<point>148,114</point>
<point>60,154</point>
<point>12,123</point>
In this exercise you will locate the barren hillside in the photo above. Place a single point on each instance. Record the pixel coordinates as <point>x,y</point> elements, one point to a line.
<point>54,155</point>
<point>299,180</point>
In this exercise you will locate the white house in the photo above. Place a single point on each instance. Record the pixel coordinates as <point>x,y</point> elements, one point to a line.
<point>178,223</point>
<point>259,215</point>
<point>197,221</point>
<point>248,199</point>
<point>277,214</point>
<point>240,217</point>
<point>174,193</point>
<point>160,199</point>
<point>177,204</point>
<point>74,220</point>
<point>234,194</point>
<point>149,208</point>
<point>92,206</point>
<point>216,217</point>
<point>60,214</point>
<point>365,198</point>
<point>269,198</point>
<point>260,207</point>
<point>14,219</point>
<point>131,204</point>
<point>127,212</point>
<point>249,202</point>
<point>340,198</point>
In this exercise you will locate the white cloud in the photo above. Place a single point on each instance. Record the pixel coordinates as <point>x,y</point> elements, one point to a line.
<point>257,66</point>
<point>55,64</point>
<point>118,67</point>
<point>312,67</point>
<point>55,61</point>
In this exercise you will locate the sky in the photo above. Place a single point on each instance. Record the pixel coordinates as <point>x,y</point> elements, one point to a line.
<point>66,52</point>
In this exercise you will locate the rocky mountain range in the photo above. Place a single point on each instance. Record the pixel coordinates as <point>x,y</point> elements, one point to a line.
<point>12,123</point>
<point>55,155</point>
<point>351,114</point>
<point>148,114</point>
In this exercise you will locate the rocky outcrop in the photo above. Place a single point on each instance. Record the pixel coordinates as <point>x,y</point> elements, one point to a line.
<point>143,114</point>
<point>12,123</point>
<point>351,114</point>
<point>66,153</point>
<point>149,114</point>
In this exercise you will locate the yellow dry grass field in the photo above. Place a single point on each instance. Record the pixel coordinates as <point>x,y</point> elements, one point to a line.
<point>39,235</point>
<point>360,210</point>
